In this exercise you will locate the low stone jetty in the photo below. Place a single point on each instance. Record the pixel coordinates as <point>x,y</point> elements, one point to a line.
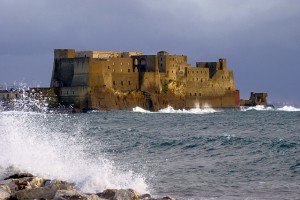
<point>25,186</point>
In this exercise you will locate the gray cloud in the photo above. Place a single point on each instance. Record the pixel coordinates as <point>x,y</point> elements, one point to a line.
<point>260,38</point>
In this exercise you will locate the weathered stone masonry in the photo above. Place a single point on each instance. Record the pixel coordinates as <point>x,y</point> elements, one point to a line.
<point>124,80</point>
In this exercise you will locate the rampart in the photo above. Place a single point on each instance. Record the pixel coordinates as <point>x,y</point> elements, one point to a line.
<point>124,80</point>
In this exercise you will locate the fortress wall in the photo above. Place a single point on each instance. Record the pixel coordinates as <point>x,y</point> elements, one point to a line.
<point>64,53</point>
<point>145,63</point>
<point>96,73</point>
<point>63,72</point>
<point>112,100</point>
<point>174,65</point>
<point>224,79</point>
<point>119,65</point>
<point>81,72</point>
<point>76,96</point>
<point>151,82</point>
<point>225,101</point>
<point>197,74</point>
<point>125,81</point>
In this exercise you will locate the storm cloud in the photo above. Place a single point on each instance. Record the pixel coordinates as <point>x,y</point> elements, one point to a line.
<point>259,38</point>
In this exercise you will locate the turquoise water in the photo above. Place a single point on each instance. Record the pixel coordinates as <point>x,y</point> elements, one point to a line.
<point>195,154</point>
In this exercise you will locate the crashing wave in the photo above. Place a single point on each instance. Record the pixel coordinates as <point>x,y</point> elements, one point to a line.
<point>258,108</point>
<point>39,143</point>
<point>289,109</point>
<point>206,110</point>
<point>141,110</point>
<point>170,109</point>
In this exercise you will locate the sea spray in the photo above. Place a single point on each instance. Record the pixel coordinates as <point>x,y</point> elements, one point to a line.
<point>44,145</point>
<point>170,109</point>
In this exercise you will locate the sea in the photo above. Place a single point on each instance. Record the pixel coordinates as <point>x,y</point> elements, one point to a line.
<point>247,153</point>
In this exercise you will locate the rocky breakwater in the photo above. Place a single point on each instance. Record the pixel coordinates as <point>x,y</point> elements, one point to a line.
<point>25,186</point>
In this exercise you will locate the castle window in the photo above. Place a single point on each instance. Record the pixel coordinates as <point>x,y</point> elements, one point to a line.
<point>128,70</point>
<point>128,82</point>
<point>114,82</point>
<point>107,67</point>
<point>160,65</point>
<point>160,58</point>
<point>122,83</point>
<point>200,94</point>
<point>190,94</point>
<point>195,94</point>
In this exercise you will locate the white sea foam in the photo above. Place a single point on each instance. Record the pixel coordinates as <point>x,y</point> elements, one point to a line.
<point>170,109</point>
<point>206,110</point>
<point>139,109</point>
<point>263,108</point>
<point>28,143</point>
<point>289,109</point>
<point>258,108</point>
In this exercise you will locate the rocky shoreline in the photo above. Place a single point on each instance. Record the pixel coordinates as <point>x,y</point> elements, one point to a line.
<point>25,186</point>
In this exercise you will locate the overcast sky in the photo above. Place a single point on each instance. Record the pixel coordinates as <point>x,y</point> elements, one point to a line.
<point>259,38</point>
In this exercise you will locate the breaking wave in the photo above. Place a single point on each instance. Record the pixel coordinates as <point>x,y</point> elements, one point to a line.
<point>51,146</point>
<point>207,110</point>
<point>258,108</point>
<point>263,108</point>
<point>170,109</point>
<point>289,109</point>
<point>141,110</point>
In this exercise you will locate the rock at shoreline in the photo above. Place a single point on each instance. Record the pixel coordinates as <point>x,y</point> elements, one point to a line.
<point>25,186</point>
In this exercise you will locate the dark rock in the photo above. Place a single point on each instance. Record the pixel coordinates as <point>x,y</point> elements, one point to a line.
<point>128,194</point>
<point>107,194</point>
<point>19,175</point>
<point>47,192</point>
<point>146,197</point>
<point>168,198</point>
<point>74,195</point>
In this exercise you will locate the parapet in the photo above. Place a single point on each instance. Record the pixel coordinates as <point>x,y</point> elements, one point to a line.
<point>64,53</point>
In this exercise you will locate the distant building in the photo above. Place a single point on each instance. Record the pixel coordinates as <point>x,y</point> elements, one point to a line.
<point>123,80</point>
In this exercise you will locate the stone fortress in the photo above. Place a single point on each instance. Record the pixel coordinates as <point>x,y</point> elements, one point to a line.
<point>124,80</point>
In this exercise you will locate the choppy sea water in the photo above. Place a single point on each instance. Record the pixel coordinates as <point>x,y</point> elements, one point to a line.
<point>189,154</point>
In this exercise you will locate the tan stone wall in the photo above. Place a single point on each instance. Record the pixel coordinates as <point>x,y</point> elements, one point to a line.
<point>64,53</point>
<point>81,72</point>
<point>151,82</point>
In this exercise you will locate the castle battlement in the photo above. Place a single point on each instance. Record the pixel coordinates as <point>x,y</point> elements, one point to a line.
<point>95,80</point>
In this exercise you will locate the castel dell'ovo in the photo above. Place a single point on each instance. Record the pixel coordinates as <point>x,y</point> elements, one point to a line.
<point>124,80</point>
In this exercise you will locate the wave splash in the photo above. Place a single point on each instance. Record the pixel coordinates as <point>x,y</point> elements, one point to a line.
<point>170,109</point>
<point>263,108</point>
<point>289,109</point>
<point>40,144</point>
